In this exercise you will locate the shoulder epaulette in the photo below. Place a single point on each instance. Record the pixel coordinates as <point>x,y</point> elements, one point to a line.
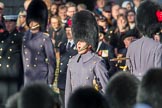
<point>47,34</point>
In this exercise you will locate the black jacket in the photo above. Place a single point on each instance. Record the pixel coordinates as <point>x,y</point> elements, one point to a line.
<point>65,55</point>
<point>11,68</point>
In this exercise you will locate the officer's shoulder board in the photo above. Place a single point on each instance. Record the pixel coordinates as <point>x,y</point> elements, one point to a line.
<point>46,34</point>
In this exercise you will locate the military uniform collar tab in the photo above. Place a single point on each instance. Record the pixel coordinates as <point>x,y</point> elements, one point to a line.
<point>87,56</point>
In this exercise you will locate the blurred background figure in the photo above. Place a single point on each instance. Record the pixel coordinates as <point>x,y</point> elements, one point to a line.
<point>1,15</point>
<point>81,7</point>
<point>62,13</point>
<point>26,4</point>
<point>157,37</point>
<point>122,11</point>
<point>129,36</point>
<point>156,33</point>
<point>128,5</point>
<point>57,33</point>
<point>71,9</point>
<point>102,21</point>
<point>131,19</point>
<point>108,15</point>
<point>99,6</point>
<point>122,90</point>
<point>136,4</point>
<point>10,23</point>
<point>48,4</point>
<point>53,9</point>
<point>12,101</point>
<point>87,98</point>
<point>38,96</point>
<point>150,89</point>
<point>105,51</point>
<point>67,51</point>
<point>21,22</point>
<point>115,12</point>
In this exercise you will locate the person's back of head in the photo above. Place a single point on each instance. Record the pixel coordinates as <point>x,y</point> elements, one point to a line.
<point>150,89</point>
<point>38,96</point>
<point>87,98</point>
<point>151,16</point>
<point>122,90</point>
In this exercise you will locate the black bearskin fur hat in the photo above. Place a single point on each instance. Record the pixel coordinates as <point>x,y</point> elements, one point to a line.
<point>85,28</point>
<point>37,11</point>
<point>147,17</point>
<point>150,89</point>
<point>122,90</point>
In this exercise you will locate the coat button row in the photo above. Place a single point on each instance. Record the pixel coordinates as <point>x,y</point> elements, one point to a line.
<point>33,65</point>
<point>7,57</point>
<point>7,66</point>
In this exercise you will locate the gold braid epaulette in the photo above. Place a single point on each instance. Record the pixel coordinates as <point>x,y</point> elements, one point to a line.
<point>47,34</point>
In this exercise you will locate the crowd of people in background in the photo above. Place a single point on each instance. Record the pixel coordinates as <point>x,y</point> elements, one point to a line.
<point>125,85</point>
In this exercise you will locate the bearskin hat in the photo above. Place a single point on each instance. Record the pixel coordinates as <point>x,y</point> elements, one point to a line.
<point>37,11</point>
<point>149,14</point>
<point>84,27</point>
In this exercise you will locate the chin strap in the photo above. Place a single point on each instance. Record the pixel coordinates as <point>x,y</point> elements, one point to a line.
<point>84,47</point>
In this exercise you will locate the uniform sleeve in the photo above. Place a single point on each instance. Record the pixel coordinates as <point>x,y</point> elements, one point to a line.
<point>68,88</point>
<point>102,74</point>
<point>128,62</point>
<point>50,59</point>
<point>158,57</point>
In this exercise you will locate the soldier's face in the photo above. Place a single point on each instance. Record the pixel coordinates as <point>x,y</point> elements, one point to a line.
<point>10,26</point>
<point>83,47</point>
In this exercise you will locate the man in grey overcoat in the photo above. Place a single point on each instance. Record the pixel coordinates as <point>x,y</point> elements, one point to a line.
<point>86,65</point>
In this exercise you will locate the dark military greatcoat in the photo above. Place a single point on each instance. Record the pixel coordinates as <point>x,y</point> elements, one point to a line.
<point>106,52</point>
<point>65,55</point>
<point>11,68</point>
<point>38,58</point>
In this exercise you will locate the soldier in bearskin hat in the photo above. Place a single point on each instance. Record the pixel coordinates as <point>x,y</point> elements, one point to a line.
<point>38,54</point>
<point>86,65</point>
<point>146,53</point>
